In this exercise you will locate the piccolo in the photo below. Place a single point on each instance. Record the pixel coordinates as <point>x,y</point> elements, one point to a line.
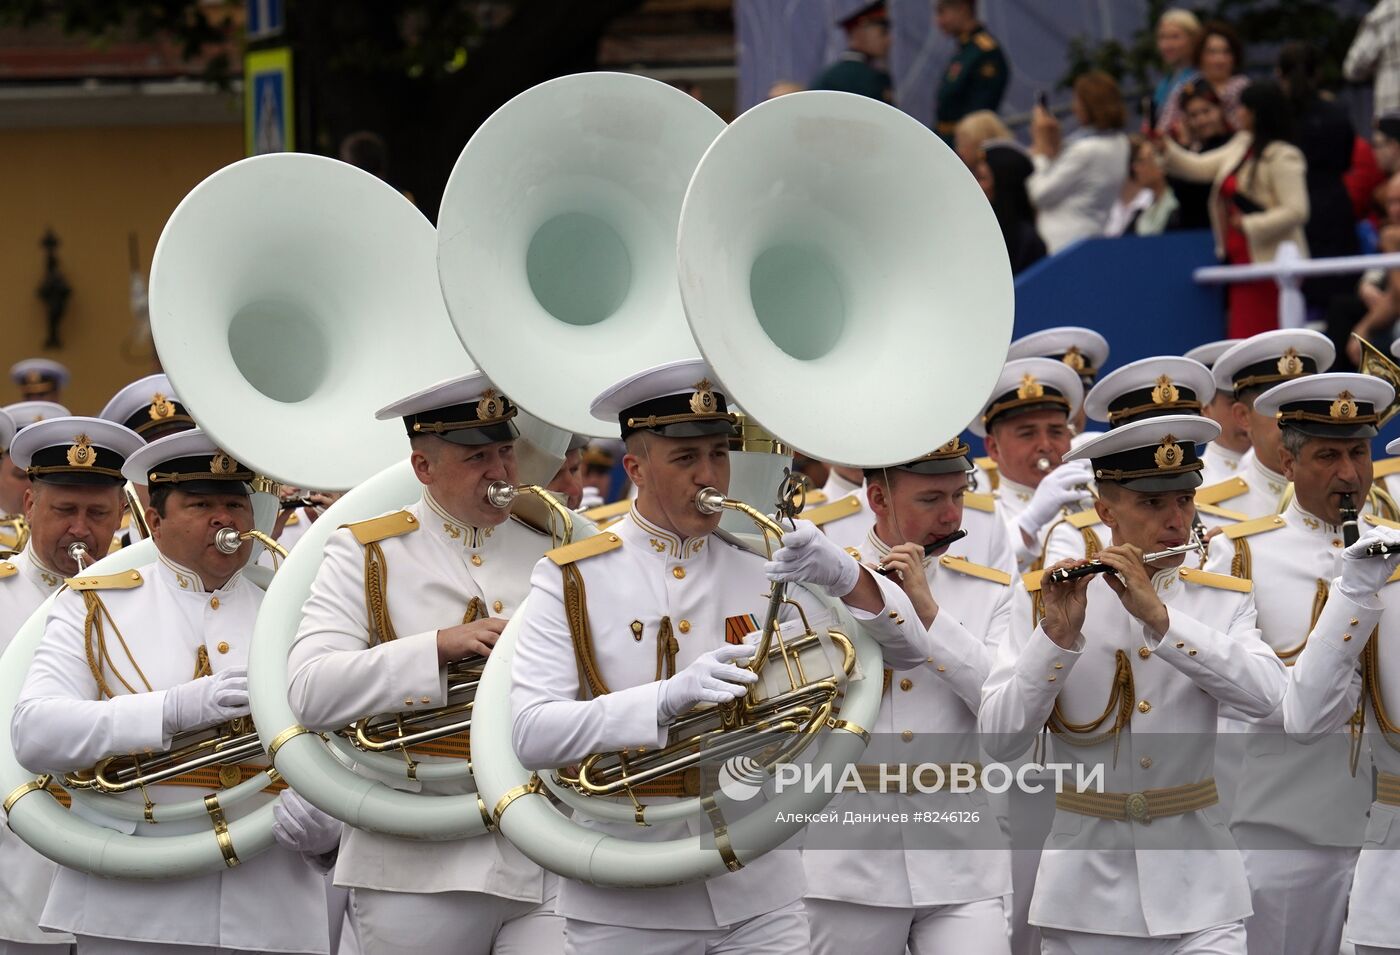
<point>942,542</point>
<point>1066,574</point>
<point>1382,549</point>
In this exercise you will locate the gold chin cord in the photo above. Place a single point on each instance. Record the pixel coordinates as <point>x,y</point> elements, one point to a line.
<point>771,723</point>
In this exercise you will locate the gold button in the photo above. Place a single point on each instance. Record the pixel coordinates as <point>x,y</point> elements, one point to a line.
<point>907,735</point>
<point>678,573</point>
<point>498,606</point>
<point>1336,543</point>
<point>894,614</point>
<point>906,684</point>
<point>425,699</point>
<point>1144,706</point>
<point>1181,646</point>
<point>476,560</point>
<point>942,668</point>
<point>683,626</point>
<point>1190,653</point>
<point>1059,666</point>
<point>1145,762</point>
<point>214,603</point>
<point>408,702</point>
<point>1052,678</point>
<point>408,519</point>
<point>1144,652</point>
<point>1346,637</point>
<point>1355,622</point>
<point>223,646</point>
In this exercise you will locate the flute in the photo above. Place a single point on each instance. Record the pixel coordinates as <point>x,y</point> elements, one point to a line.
<point>1066,574</point>
<point>944,541</point>
<point>1382,549</point>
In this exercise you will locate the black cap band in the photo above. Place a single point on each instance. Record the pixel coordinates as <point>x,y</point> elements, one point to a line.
<point>78,463</point>
<point>1271,371</point>
<point>1342,417</point>
<point>484,421</point>
<point>1162,398</point>
<point>1168,465</point>
<point>685,415</point>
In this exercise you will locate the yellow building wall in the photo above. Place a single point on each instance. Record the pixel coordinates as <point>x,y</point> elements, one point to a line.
<point>93,186</point>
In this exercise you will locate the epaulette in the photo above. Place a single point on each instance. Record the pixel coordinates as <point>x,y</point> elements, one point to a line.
<point>1394,577</point>
<point>126,580</point>
<point>988,467</point>
<point>1375,521</point>
<point>604,511</point>
<point>855,552</point>
<point>292,518</point>
<point>1083,519</point>
<point>1220,581</point>
<point>815,497</point>
<point>382,528</point>
<point>588,547</point>
<point>1385,467</point>
<point>1259,525</point>
<point>979,571</point>
<point>1214,511</point>
<point>980,502</point>
<point>7,569</point>
<point>845,507</point>
<point>1221,491</point>
<point>1031,580</point>
<point>985,41</point>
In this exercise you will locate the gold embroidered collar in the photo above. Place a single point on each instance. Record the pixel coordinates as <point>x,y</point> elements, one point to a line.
<point>663,543</point>
<point>181,578</point>
<point>454,530</point>
<point>882,549</point>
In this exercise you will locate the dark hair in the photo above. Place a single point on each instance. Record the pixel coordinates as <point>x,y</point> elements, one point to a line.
<point>1273,120</point>
<point>1010,168</point>
<point>367,151</point>
<point>1298,67</point>
<point>1198,89</point>
<point>1227,33</point>
<point>970,4</point>
<point>1102,100</point>
<point>160,493</point>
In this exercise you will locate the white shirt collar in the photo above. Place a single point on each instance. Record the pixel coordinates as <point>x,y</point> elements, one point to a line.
<point>881,549</point>
<point>1009,489</point>
<point>181,578</point>
<point>42,575</point>
<point>455,531</point>
<point>1275,482</point>
<point>1308,521</point>
<point>1227,458</point>
<point>657,541</point>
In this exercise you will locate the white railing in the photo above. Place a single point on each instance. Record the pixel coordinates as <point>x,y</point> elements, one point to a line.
<point>1288,269</point>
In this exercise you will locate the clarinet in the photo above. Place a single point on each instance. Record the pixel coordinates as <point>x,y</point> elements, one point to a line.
<point>952,538</point>
<point>1350,533</point>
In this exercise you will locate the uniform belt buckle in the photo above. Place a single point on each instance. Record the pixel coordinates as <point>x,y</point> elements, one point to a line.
<point>1136,807</point>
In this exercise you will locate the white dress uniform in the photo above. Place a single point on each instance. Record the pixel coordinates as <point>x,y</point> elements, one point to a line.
<point>935,888</point>
<point>1149,858</point>
<point>436,566</point>
<point>274,901</point>
<point>1221,463</point>
<point>24,874</point>
<point>1300,855</point>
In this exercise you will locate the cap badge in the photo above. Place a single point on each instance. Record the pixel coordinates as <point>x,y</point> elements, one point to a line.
<point>953,447</point>
<point>1169,454</point>
<point>161,407</point>
<point>1290,363</point>
<point>81,454</point>
<point>1074,359</point>
<point>221,463</point>
<point>703,401</point>
<point>1030,388</point>
<point>1343,407</point>
<point>33,377</point>
<point>490,405</point>
<point>1165,392</point>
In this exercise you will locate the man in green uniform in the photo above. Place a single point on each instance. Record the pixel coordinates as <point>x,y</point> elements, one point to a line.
<point>976,77</point>
<point>867,42</point>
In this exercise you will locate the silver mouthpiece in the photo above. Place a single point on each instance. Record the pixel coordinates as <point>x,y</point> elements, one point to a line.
<point>228,540</point>
<point>79,553</point>
<point>1043,465</point>
<point>709,501</point>
<point>500,494</point>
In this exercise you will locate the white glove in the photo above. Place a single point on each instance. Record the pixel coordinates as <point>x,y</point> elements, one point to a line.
<point>207,701</point>
<point>810,557</point>
<point>1362,576</point>
<point>1060,487</point>
<point>301,827</point>
<point>710,678</point>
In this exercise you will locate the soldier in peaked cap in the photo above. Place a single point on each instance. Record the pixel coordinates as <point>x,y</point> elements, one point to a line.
<point>1247,370</point>
<point>1166,646</point>
<point>13,483</point>
<point>186,620</point>
<point>25,413</point>
<point>868,43</point>
<point>1299,814</point>
<point>665,596</point>
<point>1026,427</point>
<point>149,407</point>
<point>1226,455</point>
<point>39,379</point>
<point>900,888</point>
<point>448,571</point>
<point>73,499</point>
<point>1083,350</point>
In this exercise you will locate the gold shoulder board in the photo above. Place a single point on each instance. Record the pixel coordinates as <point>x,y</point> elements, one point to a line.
<point>1031,579</point>
<point>382,528</point>
<point>855,552</point>
<point>293,518</point>
<point>845,507</point>
<point>1214,511</point>
<point>604,511</point>
<point>1222,581</point>
<point>985,41</point>
<point>126,580</point>
<point>1083,519</point>
<point>814,497</point>
<point>1385,467</point>
<point>1259,525</point>
<point>980,502</point>
<point>1223,491</point>
<point>7,569</point>
<point>976,570</point>
<point>1394,577</point>
<point>588,547</point>
<point>1375,521</point>
<point>986,464</point>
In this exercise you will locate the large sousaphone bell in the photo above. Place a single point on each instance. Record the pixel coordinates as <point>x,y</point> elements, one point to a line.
<point>832,255</point>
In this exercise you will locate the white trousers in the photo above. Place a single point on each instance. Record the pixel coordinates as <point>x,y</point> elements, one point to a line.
<point>1228,939</point>
<point>453,923</point>
<point>780,932</point>
<point>1300,899</point>
<point>840,928</point>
